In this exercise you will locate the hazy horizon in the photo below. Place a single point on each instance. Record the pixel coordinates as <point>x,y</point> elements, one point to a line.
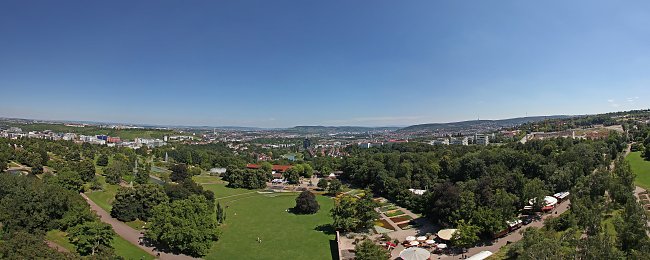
<point>337,63</point>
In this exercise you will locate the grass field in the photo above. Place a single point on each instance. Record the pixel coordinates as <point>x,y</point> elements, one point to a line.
<point>122,247</point>
<point>641,168</point>
<point>204,179</point>
<point>284,235</point>
<point>104,198</point>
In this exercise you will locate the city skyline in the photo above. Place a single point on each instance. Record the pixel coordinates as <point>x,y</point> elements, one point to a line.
<point>282,64</point>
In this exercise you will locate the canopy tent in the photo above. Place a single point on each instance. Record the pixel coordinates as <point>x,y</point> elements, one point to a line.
<point>410,238</point>
<point>422,238</point>
<point>446,234</point>
<point>480,255</point>
<point>548,201</point>
<point>414,253</point>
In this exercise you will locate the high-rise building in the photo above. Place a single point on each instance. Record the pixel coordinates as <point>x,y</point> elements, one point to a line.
<point>306,143</point>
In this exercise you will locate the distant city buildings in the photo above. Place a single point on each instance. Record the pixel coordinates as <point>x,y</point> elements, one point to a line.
<point>459,141</point>
<point>481,139</point>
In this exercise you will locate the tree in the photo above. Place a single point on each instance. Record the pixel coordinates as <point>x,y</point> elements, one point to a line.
<point>344,214</point>
<point>186,225</point>
<point>292,175</point>
<point>534,190</point>
<point>25,245</point>
<point>221,214</point>
<point>266,166</point>
<point>69,180</point>
<point>632,229</point>
<point>322,184</point>
<point>368,250</point>
<point>142,175</point>
<point>102,160</point>
<point>91,236</point>
<point>335,186</point>
<point>179,172</point>
<point>365,210</point>
<point>137,202</point>
<point>125,206</point>
<point>86,169</point>
<point>466,235</point>
<point>306,203</point>
<point>115,170</point>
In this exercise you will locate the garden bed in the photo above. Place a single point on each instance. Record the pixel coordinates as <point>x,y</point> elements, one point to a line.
<point>394,213</point>
<point>404,225</point>
<point>401,219</point>
<point>383,223</point>
<point>388,208</point>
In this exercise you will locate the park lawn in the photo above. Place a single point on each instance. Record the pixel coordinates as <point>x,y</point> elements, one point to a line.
<point>220,191</point>
<point>284,235</point>
<point>127,250</point>
<point>207,179</point>
<point>122,247</point>
<point>136,224</point>
<point>60,238</point>
<point>641,168</point>
<point>104,198</point>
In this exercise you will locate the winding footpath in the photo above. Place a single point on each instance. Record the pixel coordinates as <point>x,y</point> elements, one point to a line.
<point>128,233</point>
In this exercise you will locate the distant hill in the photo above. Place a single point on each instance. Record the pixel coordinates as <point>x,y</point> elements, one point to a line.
<point>337,129</point>
<point>477,125</point>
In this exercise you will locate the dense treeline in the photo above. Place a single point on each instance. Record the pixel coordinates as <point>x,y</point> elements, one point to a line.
<point>582,232</point>
<point>29,207</point>
<point>484,186</point>
<point>205,156</point>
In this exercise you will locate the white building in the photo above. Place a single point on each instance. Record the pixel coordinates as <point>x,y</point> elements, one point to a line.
<point>444,141</point>
<point>481,139</point>
<point>459,141</point>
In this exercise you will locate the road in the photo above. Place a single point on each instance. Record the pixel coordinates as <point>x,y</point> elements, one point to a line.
<point>128,233</point>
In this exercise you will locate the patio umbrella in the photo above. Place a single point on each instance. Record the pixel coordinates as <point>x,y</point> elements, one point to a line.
<point>414,243</point>
<point>414,253</point>
<point>410,238</point>
<point>442,246</point>
<point>446,234</point>
<point>430,242</point>
<point>422,238</point>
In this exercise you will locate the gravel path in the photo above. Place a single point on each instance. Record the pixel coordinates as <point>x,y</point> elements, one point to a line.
<point>128,233</point>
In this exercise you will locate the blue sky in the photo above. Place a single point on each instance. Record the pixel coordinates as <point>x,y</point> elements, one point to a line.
<point>285,63</point>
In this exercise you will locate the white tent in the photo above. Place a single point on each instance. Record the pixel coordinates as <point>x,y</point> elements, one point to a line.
<point>430,242</point>
<point>446,234</point>
<point>548,201</point>
<point>414,253</point>
<point>422,238</point>
<point>414,243</point>
<point>442,246</point>
<point>410,238</point>
<point>481,255</point>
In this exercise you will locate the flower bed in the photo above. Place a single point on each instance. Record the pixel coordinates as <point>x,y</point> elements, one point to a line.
<point>388,207</point>
<point>383,223</point>
<point>394,213</point>
<point>401,218</point>
<point>404,225</point>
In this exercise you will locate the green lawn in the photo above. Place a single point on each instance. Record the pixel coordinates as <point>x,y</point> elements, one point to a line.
<point>104,198</point>
<point>129,251</point>
<point>284,235</point>
<point>220,191</point>
<point>207,179</point>
<point>122,247</point>
<point>641,168</point>
<point>59,237</point>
